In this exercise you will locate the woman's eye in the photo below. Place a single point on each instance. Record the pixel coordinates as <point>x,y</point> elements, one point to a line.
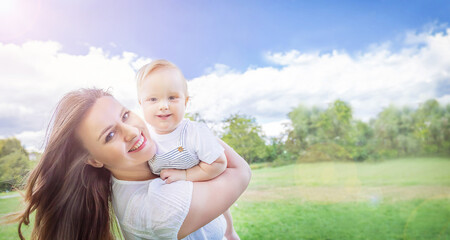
<point>126,115</point>
<point>109,136</point>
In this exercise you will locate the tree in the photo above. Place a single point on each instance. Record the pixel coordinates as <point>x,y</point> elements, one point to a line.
<point>317,134</point>
<point>386,130</point>
<point>335,123</point>
<point>432,127</point>
<point>244,135</point>
<point>276,151</point>
<point>13,168</point>
<point>361,141</point>
<point>14,163</point>
<point>303,130</point>
<point>10,145</point>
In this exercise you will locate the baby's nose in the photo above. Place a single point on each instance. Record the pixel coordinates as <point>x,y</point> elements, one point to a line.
<point>163,104</point>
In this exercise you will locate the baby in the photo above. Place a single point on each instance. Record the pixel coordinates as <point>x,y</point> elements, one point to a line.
<point>187,150</point>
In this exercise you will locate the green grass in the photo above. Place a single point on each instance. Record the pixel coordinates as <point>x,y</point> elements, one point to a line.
<point>283,214</point>
<point>416,219</point>
<point>9,231</point>
<point>274,206</point>
<point>400,172</point>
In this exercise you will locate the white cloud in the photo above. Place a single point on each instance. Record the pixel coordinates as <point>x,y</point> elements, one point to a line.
<point>368,80</point>
<point>35,75</point>
<point>273,129</point>
<point>32,140</point>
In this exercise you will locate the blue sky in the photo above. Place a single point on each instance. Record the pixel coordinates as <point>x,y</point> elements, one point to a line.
<point>197,34</point>
<point>259,58</point>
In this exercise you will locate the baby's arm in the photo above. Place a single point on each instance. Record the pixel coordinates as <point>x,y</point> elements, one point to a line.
<point>202,172</point>
<point>207,148</point>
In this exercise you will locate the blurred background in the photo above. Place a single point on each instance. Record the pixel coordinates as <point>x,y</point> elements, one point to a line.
<point>341,108</point>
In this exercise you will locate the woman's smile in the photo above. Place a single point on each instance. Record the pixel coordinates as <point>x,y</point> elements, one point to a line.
<point>139,145</point>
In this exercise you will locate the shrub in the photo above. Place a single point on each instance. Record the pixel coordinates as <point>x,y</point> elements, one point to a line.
<point>324,152</point>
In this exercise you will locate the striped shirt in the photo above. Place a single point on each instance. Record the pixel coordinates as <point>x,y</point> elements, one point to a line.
<point>194,142</point>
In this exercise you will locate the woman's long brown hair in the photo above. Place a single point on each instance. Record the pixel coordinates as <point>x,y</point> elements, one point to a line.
<point>71,199</point>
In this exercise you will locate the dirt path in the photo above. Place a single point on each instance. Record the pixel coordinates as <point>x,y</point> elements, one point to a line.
<point>348,194</point>
<point>10,196</point>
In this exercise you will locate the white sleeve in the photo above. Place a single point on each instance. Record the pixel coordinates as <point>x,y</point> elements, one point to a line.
<point>207,146</point>
<point>159,211</point>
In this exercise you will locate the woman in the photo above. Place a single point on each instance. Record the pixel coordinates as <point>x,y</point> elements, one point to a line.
<point>96,154</point>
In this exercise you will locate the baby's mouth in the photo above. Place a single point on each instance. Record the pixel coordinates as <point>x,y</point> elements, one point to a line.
<point>164,116</point>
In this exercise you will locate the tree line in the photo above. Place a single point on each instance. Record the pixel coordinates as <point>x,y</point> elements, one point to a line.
<point>313,134</point>
<point>333,134</point>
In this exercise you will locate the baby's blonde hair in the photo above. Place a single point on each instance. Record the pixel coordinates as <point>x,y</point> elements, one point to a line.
<point>148,68</point>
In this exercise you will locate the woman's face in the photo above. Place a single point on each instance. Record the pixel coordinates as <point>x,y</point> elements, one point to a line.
<point>116,139</point>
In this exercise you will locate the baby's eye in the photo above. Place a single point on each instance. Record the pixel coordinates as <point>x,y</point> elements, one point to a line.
<point>109,136</point>
<point>153,99</point>
<point>172,98</point>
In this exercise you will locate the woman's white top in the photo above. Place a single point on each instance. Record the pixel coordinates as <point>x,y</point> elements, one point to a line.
<point>153,209</point>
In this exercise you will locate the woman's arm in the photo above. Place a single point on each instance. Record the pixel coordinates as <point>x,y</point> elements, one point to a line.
<point>204,171</point>
<point>212,198</point>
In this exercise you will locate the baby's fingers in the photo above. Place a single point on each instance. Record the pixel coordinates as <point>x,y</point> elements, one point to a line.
<point>164,174</point>
<point>170,180</point>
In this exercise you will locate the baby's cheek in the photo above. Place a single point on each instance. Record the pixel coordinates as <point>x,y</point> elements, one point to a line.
<point>147,117</point>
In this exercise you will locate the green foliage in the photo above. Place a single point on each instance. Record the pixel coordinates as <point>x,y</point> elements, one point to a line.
<point>305,124</point>
<point>335,122</point>
<point>332,134</point>
<point>14,163</point>
<point>194,117</point>
<point>276,152</point>
<point>11,145</point>
<point>325,152</point>
<point>394,132</point>
<point>244,135</point>
<point>361,145</point>
<point>432,127</point>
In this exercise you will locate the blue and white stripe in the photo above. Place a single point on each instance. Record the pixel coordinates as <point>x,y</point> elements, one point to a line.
<point>178,158</point>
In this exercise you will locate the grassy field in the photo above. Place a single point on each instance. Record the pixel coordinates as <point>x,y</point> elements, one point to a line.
<point>396,199</point>
<point>9,205</point>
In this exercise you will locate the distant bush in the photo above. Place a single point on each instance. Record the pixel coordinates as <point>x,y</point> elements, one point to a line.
<point>325,152</point>
<point>255,166</point>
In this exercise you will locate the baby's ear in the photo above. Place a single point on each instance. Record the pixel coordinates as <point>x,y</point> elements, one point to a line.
<point>185,102</point>
<point>91,161</point>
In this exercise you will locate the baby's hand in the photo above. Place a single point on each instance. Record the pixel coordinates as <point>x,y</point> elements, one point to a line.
<point>171,175</point>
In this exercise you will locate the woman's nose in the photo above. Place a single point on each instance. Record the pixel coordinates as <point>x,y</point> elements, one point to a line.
<point>130,132</point>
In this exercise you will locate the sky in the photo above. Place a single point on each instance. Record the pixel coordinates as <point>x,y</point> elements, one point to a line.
<point>258,58</point>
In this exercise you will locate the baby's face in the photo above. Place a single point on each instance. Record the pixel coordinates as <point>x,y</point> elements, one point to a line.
<point>163,99</point>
